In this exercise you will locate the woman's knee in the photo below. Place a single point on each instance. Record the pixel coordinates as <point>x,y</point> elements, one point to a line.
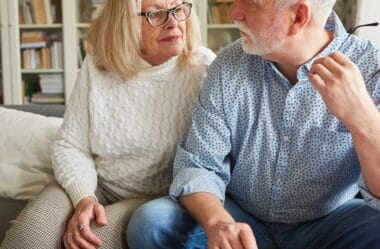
<point>41,223</point>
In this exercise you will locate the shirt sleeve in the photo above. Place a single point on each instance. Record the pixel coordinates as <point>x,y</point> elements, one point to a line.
<point>202,161</point>
<point>376,94</point>
<point>72,161</point>
<point>371,200</point>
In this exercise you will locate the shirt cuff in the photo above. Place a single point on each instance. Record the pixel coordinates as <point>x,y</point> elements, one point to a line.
<point>195,180</point>
<point>371,200</point>
<point>77,191</point>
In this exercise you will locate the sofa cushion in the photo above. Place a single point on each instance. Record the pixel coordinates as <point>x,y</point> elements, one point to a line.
<point>25,166</point>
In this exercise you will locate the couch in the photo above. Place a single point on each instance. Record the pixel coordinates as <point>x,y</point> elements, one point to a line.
<point>10,207</point>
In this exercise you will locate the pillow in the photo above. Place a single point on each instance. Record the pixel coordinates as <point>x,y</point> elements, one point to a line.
<point>25,166</point>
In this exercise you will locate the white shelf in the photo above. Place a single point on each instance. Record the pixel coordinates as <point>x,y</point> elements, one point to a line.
<point>38,71</point>
<point>83,25</point>
<point>41,26</point>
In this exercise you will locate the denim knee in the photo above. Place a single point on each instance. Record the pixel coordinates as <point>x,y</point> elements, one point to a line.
<point>161,223</point>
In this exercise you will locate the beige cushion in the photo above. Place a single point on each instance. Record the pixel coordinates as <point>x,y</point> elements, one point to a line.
<point>25,139</point>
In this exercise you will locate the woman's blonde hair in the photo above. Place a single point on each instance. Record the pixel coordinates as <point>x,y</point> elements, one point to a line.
<point>114,38</point>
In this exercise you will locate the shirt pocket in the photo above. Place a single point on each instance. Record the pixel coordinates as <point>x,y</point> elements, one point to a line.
<point>332,156</point>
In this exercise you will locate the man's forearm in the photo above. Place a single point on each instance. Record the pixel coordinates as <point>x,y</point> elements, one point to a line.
<point>206,209</point>
<point>367,144</point>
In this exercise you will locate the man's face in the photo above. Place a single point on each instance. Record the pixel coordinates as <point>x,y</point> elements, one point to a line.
<point>262,42</point>
<point>260,27</point>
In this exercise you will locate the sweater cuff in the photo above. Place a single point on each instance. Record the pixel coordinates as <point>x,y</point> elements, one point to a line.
<point>79,190</point>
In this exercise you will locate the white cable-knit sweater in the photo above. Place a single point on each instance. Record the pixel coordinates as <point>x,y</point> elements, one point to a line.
<point>125,133</point>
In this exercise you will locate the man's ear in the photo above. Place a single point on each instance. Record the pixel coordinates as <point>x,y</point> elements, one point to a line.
<point>301,15</point>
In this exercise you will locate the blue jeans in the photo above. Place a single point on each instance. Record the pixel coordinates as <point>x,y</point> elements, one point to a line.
<point>163,223</point>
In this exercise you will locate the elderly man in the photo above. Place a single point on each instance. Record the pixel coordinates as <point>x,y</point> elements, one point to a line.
<point>285,126</point>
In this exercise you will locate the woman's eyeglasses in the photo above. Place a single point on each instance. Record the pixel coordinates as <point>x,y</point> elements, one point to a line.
<point>160,17</point>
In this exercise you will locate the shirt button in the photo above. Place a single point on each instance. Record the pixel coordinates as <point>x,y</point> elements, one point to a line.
<point>286,138</point>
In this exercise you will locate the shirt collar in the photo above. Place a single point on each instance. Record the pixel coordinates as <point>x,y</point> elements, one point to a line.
<point>339,36</point>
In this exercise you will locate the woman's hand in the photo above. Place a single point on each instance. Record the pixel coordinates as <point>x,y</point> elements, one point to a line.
<point>78,232</point>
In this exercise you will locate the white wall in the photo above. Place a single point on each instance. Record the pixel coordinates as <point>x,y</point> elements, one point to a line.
<point>369,11</point>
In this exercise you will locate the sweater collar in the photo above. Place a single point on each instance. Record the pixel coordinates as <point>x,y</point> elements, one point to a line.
<point>164,68</point>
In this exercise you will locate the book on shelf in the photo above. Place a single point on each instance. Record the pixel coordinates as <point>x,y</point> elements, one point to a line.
<point>34,39</point>
<point>40,50</point>
<point>25,13</point>
<point>38,11</point>
<point>218,13</point>
<point>56,11</point>
<point>48,98</point>
<point>36,58</point>
<point>57,54</point>
<point>48,12</point>
<point>40,44</point>
<point>51,83</point>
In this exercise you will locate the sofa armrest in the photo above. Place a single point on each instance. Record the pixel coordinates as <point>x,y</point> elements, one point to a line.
<point>46,110</point>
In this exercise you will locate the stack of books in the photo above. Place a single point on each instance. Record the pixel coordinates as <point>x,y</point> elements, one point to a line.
<point>40,50</point>
<point>51,86</point>
<point>51,83</point>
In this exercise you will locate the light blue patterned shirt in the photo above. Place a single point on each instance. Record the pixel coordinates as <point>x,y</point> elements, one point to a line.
<point>273,147</point>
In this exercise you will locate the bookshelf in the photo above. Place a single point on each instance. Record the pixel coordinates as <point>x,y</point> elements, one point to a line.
<point>217,28</point>
<point>68,26</point>
<point>38,44</point>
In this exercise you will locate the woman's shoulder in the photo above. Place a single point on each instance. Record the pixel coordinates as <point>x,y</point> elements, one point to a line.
<point>88,61</point>
<point>204,55</point>
<point>90,67</point>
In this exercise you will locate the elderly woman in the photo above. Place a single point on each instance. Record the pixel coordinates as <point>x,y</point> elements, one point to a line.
<point>130,106</point>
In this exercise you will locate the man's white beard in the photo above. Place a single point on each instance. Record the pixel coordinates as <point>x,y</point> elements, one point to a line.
<point>262,43</point>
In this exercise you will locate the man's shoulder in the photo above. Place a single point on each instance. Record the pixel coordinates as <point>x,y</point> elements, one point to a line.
<point>232,50</point>
<point>359,48</point>
<point>364,54</point>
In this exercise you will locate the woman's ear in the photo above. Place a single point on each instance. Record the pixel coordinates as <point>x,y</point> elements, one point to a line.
<point>301,15</point>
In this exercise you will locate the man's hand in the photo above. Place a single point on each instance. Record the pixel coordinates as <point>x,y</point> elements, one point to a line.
<point>222,231</point>
<point>341,85</point>
<point>78,232</point>
<point>231,236</point>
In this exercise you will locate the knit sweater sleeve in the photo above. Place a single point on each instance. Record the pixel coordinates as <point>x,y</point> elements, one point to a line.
<point>72,161</point>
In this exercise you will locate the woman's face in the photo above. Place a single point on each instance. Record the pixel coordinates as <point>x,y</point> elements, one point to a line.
<point>161,43</point>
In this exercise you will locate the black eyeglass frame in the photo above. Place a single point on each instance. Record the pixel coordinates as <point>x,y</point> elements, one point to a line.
<point>168,12</point>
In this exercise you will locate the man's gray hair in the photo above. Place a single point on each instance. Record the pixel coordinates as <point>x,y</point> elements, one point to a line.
<point>320,9</point>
